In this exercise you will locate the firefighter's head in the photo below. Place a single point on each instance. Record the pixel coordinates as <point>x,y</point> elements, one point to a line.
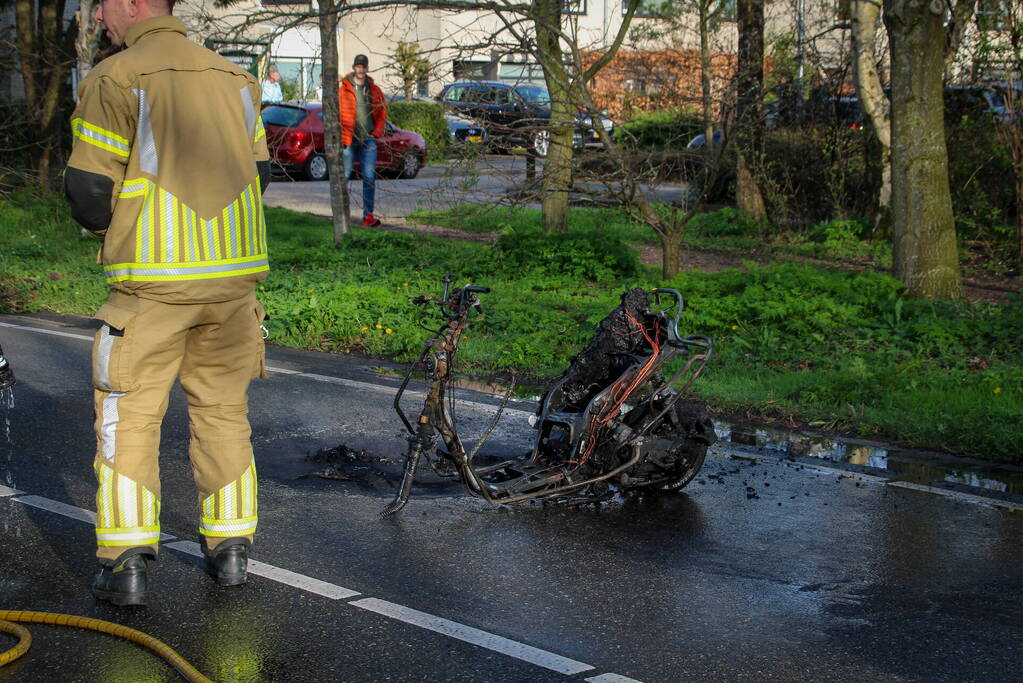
<point>117,16</point>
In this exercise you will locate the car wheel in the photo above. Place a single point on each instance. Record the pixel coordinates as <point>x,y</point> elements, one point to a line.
<point>541,144</point>
<point>409,167</point>
<point>316,167</point>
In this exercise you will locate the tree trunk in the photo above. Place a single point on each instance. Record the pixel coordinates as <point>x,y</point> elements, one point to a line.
<point>865,14</point>
<point>925,256</point>
<point>557,169</point>
<point>749,119</point>
<point>339,208</point>
<point>44,70</point>
<point>671,255</point>
<point>87,39</point>
<point>706,76</point>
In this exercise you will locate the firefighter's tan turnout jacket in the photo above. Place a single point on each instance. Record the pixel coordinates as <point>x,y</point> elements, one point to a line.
<point>168,153</point>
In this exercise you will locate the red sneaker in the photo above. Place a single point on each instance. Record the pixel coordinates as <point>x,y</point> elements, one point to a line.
<point>370,221</point>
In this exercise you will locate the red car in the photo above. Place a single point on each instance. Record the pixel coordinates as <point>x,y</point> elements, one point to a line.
<point>294,135</point>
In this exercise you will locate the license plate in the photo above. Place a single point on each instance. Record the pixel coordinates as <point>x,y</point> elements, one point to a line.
<point>474,138</point>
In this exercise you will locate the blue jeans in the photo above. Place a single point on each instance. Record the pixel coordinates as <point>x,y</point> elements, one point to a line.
<point>367,151</point>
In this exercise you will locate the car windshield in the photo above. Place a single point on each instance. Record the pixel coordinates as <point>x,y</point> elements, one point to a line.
<point>276,115</point>
<point>534,95</point>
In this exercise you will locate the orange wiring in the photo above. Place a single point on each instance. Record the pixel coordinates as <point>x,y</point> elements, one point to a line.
<point>618,397</point>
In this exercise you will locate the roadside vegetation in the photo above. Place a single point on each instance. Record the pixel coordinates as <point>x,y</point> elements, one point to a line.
<point>835,349</point>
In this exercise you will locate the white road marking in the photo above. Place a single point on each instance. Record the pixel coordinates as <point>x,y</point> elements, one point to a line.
<point>285,576</point>
<point>72,511</point>
<point>958,495</point>
<point>8,491</point>
<point>612,678</point>
<point>355,384</point>
<point>475,636</point>
<point>55,333</point>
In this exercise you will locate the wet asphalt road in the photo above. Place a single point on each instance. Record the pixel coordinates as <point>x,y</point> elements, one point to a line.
<point>759,571</point>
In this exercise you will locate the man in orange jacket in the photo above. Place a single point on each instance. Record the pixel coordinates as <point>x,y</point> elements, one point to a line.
<point>363,115</point>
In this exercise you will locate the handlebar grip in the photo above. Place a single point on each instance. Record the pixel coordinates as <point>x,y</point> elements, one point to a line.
<point>476,289</point>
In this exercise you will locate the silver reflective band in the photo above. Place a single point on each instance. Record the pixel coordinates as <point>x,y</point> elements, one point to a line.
<point>242,526</point>
<point>85,132</point>
<point>147,142</point>
<point>183,269</point>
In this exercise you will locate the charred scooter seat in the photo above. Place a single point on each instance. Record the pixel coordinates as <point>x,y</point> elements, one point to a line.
<point>612,420</point>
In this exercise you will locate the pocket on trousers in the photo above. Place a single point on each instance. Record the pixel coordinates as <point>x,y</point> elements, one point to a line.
<point>259,366</point>
<point>112,349</point>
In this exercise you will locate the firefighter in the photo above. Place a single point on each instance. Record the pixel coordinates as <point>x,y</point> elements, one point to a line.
<point>168,168</point>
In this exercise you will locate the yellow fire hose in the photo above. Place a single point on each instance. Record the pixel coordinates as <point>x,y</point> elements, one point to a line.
<point>25,638</point>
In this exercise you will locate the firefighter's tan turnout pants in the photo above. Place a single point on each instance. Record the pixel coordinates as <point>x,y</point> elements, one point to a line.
<point>215,350</point>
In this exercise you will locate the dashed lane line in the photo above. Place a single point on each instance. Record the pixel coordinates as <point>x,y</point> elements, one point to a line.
<point>285,576</point>
<point>8,491</point>
<point>424,620</point>
<point>72,511</point>
<point>475,636</point>
<point>354,384</point>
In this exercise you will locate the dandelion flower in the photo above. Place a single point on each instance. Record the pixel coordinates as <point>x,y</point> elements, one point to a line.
<point>379,326</point>
<point>998,390</point>
<point>735,327</point>
<point>388,330</point>
<point>363,328</point>
<point>261,288</point>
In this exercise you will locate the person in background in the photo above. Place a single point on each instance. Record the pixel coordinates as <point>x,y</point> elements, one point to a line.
<point>363,115</point>
<point>272,87</point>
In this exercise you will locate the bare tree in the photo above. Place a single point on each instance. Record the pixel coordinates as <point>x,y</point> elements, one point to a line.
<point>330,15</point>
<point>865,15</point>
<point>925,256</point>
<point>411,66</point>
<point>87,37</point>
<point>43,54</point>
<point>749,109</point>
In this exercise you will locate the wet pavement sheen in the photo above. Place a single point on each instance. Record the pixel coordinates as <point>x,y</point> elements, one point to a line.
<point>760,569</point>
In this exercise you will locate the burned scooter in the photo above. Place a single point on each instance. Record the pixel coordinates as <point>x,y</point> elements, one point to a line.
<point>612,420</point>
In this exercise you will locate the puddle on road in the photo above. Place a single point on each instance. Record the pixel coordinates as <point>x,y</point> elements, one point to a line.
<point>902,464</point>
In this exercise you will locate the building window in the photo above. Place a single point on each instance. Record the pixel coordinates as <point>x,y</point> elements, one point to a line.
<point>473,70</point>
<point>300,77</point>
<point>573,6</point>
<point>991,15</point>
<point>512,72</point>
<point>652,9</point>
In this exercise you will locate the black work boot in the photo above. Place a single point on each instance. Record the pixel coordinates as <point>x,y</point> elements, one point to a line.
<point>228,562</point>
<point>124,582</point>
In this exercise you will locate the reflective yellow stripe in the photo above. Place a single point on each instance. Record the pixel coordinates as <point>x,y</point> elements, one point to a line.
<point>174,243</point>
<point>104,495</point>
<point>260,130</point>
<point>246,246</point>
<point>99,137</point>
<point>128,536</point>
<point>249,491</point>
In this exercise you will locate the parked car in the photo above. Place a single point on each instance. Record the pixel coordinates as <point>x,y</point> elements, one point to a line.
<point>515,115</point>
<point>462,131</point>
<point>294,136</point>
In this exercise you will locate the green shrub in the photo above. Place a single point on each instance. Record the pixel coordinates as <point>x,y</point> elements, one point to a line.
<point>659,130</point>
<point>425,118</point>
<point>589,254</point>
<point>980,172</point>
<point>726,221</point>
<point>817,173</point>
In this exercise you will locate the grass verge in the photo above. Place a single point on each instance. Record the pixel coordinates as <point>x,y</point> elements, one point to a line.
<point>834,349</point>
